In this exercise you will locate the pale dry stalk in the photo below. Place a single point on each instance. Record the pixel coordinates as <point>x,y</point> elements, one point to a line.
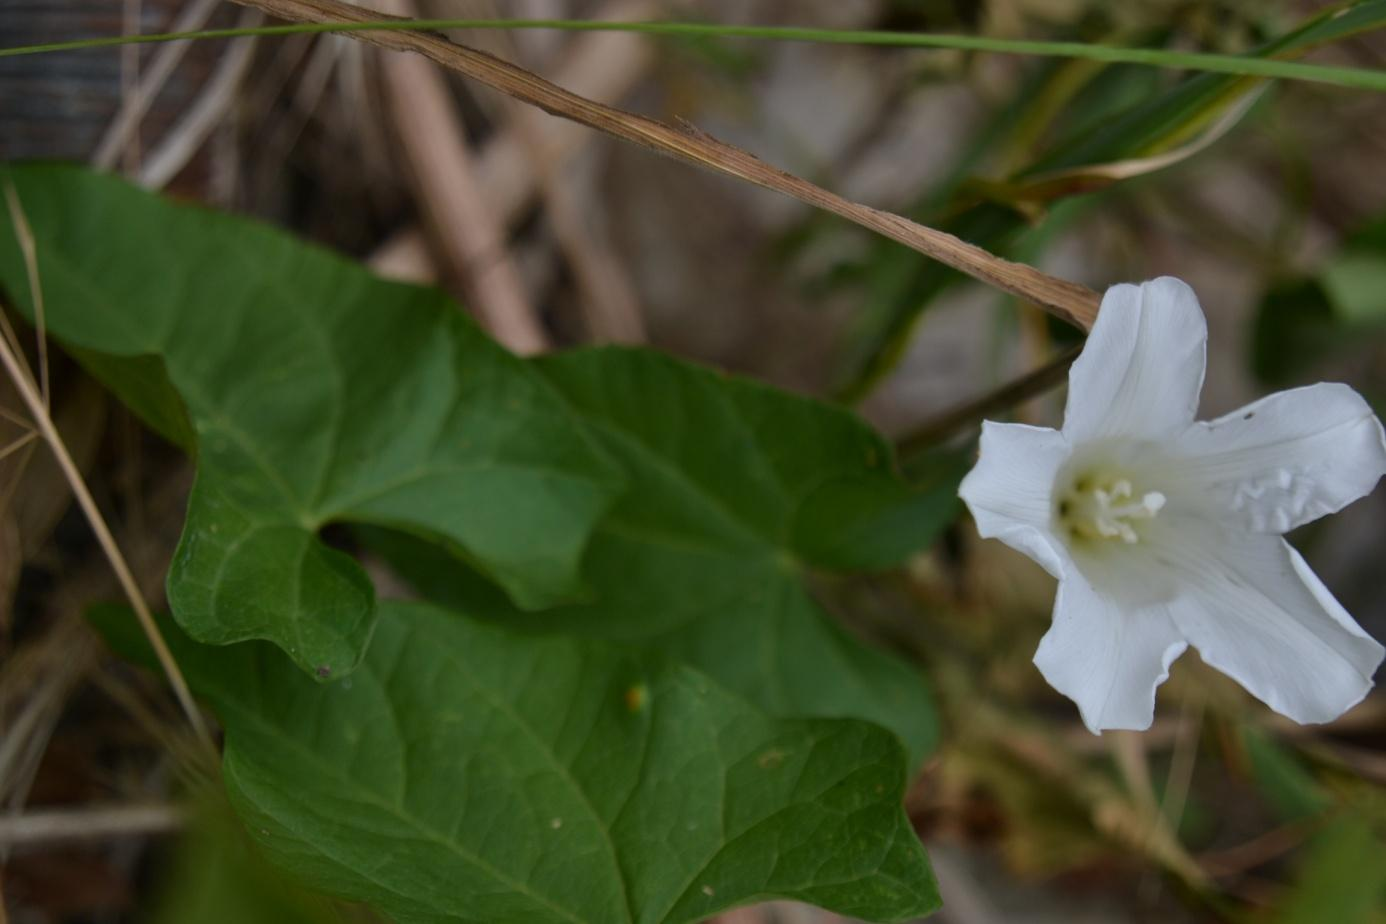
<point>442,166</point>
<point>182,142</point>
<point>108,544</point>
<point>610,305</point>
<point>600,65</point>
<point>136,99</point>
<point>36,404</point>
<point>1072,302</point>
<point>603,66</point>
<point>90,823</point>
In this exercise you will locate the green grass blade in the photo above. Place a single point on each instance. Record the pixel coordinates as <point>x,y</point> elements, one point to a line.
<point>1353,78</point>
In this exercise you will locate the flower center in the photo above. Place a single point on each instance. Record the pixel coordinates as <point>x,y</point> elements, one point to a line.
<point>1102,505</point>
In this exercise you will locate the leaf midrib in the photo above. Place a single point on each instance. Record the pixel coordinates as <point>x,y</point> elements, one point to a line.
<point>255,719</point>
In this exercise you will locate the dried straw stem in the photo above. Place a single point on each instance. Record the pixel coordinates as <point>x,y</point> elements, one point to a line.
<point>1072,302</point>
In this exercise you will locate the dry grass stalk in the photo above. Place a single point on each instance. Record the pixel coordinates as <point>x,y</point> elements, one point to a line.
<point>18,444</point>
<point>36,494</point>
<point>466,231</point>
<point>184,139</point>
<point>34,689</point>
<point>35,401</point>
<point>609,302</point>
<point>1072,302</point>
<point>136,102</point>
<point>89,823</point>
<point>601,65</point>
<point>26,248</point>
<point>11,563</point>
<point>404,257</point>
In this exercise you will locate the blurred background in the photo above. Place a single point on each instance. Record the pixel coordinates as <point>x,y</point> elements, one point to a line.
<point>1269,200</point>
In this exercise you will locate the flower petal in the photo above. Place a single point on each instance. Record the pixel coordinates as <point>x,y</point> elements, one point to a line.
<point>1106,657</point>
<point>1142,368</point>
<point>1289,458</point>
<point>1256,612</point>
<point>1008,490</point>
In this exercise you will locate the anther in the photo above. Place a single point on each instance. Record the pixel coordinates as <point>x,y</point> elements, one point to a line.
<point>1105,508</point>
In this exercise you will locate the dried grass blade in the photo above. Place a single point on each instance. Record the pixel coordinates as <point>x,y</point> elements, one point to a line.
<point>35,402</point>
<point>1072,302</point>
<point>25,235</point>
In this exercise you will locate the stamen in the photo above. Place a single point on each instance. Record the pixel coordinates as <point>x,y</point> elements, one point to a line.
<point>1099,506</point>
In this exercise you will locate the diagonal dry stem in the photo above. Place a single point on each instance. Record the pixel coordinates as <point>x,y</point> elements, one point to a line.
<point>1072,302</point>
<point>21,465</point>
<point>25,440</point>
<point>135,104</point>
<point>18,420</point>
<point>36,404</point>
<point>470,237</point>
<point>934,431</point>
<point>29,392</point>
<point>89,823</point>
<point>25,235</point>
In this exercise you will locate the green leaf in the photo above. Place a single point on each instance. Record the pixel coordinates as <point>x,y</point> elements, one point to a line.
<point>318,394</point>
<point>468,774</point>
<point>1336,314</point>
<point>1356,285</point>
<point>1156,124</point>
<point>736,489</point>
<point>741,463</point>
<point>1283,780</point>
<point>1295,328</point>
<point>1361,78</point>
<point>1342,879</point>
<point>217,877</point>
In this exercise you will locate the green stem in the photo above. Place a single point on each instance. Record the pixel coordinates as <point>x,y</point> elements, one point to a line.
<point>1354,78</point>
<point>935,431</point>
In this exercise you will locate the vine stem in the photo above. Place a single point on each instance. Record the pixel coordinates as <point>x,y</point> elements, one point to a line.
<point>43,423</point>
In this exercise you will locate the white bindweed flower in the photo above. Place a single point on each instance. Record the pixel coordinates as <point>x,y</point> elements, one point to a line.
<point>1165,532</point>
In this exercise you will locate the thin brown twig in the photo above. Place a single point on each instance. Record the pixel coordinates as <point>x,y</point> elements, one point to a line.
<point>1235,860</point>
<point>1128,751</point>
<point>130,75</point>
<point>18,444</point>
<point>1181,765</point>
<point>933,431</point>
<point>12,340</point>
<point>609,305</point>
<point>1170,811</point>
<point>599,65</point>
<point>28,391</point>
<point>108,544</point>
<point>128,693</point>
<point>136,102</point>
<point>1074,303</point>
<point>18,420</point>
<point>442,165</point>
<point>25,236</point>
<point>609,301</point>
<point>90,823</point>
<point>197,122</point>
<point>8,491</point>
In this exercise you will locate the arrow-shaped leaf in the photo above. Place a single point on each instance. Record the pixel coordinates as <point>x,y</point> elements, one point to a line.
<point>314,393</point>
<point>465,774</point>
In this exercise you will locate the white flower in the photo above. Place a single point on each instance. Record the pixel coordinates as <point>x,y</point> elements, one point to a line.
<point>1165,532</point>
